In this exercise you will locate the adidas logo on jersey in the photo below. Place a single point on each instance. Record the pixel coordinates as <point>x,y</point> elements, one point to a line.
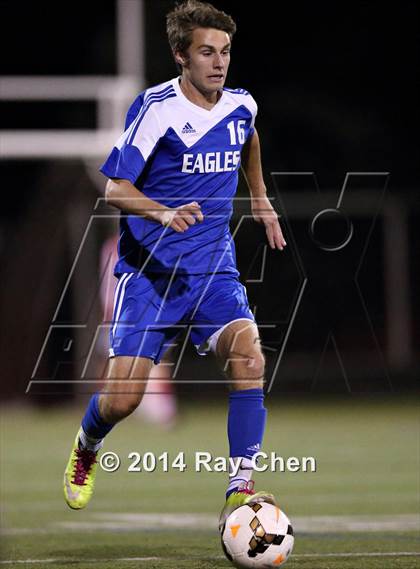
<point>188,129</point>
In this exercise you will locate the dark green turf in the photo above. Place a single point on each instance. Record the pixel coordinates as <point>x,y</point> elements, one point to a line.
<point>201,549</point>
<point>367,456</point>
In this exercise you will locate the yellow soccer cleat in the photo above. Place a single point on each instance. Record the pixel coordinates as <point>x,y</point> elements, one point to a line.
<point>244,495</point>
<point>79,476</point>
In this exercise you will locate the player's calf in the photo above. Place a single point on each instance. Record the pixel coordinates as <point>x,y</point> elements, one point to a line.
<point>115,407</point>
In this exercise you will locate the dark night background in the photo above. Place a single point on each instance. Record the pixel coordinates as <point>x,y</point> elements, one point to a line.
<point>337,88</point>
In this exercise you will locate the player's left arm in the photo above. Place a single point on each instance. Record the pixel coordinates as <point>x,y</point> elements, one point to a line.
<point>262,210</point>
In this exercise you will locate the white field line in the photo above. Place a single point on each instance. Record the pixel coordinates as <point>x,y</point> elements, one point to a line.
<point>108,521</point>
<point>214,557</point>
<point>301,524</point>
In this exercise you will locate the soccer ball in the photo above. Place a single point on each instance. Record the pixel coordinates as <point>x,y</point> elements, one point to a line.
<point>257,535</point>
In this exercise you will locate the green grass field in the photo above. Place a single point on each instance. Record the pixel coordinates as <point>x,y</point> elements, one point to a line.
<point>359,509</point>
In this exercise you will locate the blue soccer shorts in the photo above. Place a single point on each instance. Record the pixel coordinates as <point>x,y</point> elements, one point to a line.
<point>151,310</point>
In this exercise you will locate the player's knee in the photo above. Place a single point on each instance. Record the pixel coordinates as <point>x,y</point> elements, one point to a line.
<point>250,367</point>
<point>257,363</point>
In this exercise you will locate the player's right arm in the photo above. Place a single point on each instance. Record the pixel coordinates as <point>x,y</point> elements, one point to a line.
<point>125,196</point>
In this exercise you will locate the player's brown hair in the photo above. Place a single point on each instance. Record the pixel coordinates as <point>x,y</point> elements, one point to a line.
<point>192,14</point>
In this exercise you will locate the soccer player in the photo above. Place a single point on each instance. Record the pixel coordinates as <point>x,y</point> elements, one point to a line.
<point>173,174</point>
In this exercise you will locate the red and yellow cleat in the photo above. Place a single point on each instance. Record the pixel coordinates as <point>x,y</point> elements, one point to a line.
<point>79,476</point>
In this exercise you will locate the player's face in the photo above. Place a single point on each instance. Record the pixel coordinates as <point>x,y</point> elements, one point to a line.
<point>207,60</point>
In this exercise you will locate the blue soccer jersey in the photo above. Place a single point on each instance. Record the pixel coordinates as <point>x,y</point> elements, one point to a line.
<point>177,152</point>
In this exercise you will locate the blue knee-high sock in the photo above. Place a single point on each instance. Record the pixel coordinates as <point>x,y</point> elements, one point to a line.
<point>246,424</point>
<point>93,424</point>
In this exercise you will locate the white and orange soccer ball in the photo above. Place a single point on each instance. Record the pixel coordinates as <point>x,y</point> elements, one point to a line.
<point>257,535</point>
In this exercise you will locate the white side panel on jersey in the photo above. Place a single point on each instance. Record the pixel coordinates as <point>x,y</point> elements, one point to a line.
<point>146,125</point>
<point>147,134</point>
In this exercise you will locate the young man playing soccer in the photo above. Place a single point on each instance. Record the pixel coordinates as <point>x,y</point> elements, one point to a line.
<point>173,174</point>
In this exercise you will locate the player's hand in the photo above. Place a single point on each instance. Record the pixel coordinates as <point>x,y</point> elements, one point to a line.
<point>263,212</point>
<point>181,218</point>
